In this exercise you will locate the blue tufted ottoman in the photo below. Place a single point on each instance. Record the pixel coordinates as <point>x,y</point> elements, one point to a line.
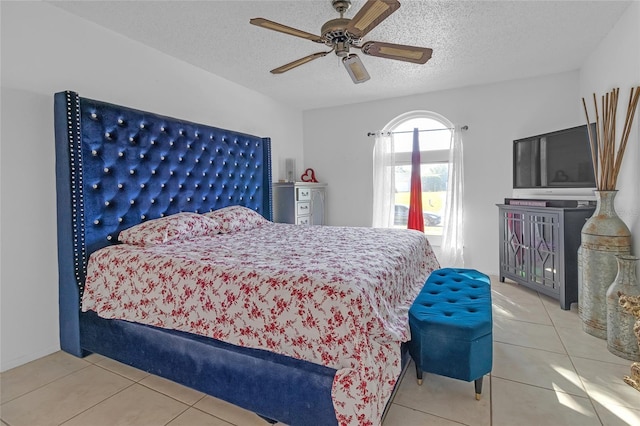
<point>451,326</point>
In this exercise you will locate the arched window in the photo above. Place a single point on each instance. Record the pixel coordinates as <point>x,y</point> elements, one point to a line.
<point>435,134</point>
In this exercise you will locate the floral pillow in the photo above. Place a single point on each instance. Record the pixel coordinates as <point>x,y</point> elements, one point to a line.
<point>236,218</point>
<point>175,227</point>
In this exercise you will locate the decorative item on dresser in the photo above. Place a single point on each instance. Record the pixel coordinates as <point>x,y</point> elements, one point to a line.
<point>302,203</point>
<point>604,235</point>
<point>309,175</point>
<point>538,247</point>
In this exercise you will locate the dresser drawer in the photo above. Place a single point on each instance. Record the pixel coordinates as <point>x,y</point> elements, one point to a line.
<point>303,194</point>
<point>303,220</point>
<point>303,207</point>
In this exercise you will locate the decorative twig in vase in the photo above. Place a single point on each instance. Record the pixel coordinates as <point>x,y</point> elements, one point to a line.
<point>604,149</point>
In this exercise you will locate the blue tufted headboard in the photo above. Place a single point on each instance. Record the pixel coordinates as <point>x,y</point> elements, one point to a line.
<point>117,167</point>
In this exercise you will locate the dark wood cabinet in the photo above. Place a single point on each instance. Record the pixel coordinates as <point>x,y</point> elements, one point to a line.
<point>539,248</point>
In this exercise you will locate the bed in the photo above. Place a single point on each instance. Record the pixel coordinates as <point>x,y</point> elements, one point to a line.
<point>119,168</point>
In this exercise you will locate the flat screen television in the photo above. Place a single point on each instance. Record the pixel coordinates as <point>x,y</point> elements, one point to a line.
<point>555,164</point>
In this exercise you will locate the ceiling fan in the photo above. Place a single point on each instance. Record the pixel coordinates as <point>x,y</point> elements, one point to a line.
<point>342,34</point>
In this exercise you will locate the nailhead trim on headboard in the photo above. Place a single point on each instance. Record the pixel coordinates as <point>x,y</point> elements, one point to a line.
<point>75,148</point>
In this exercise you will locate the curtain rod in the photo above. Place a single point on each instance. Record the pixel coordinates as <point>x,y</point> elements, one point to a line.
<point>465,127</point>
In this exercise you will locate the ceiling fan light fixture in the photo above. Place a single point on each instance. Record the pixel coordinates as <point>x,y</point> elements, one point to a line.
<point>356,69</point>
<point>342,49</point>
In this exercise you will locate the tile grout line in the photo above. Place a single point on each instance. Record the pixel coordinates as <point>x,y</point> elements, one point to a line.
<point>185,403</point>
<point>172,397</point>
<point>139,382</point>
<point>544,388</point>
<point>491,399</point>
<point>122,375</point>
<point>430,414</point>
<point>208,414</point>
<point>46,384</point>
<point>529,347</point>
<point>178,415</point>
<point>586,390</point>
<point>97,403</point>
<point>188,406</point>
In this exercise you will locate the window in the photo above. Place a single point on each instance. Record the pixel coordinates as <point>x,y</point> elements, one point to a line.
<point>435,133</point>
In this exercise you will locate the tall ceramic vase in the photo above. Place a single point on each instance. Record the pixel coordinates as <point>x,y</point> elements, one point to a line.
<point>621,340</point>
<point>604,236</point>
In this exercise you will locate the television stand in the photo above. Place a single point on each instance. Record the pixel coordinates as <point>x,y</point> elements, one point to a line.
<point>539,248</point>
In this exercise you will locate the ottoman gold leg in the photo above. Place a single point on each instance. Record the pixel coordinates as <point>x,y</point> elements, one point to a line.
<point>478,384</point>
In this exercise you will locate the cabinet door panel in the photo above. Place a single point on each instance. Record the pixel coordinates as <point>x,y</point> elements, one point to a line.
<point>543,250</point>
<point>514,244</point>
<point>317,206</point>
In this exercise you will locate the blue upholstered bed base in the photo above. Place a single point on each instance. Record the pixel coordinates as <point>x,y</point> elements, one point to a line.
<point>117,167</point>
<point>272,385</point>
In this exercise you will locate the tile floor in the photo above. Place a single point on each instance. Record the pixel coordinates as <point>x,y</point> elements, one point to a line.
<point>546,371</point>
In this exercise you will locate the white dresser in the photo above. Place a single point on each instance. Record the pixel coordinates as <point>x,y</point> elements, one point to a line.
<point>301,203</point>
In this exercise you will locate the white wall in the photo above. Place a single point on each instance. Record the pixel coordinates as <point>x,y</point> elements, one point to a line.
<point>337,147</point>
<point>616,63</point>
<point>46,50</point>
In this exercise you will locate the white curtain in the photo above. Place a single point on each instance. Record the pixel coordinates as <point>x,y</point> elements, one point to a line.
<point>383,181</point>
<point>452,238</point>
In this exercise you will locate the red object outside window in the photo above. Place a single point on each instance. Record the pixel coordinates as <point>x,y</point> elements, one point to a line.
<point>415,220</point>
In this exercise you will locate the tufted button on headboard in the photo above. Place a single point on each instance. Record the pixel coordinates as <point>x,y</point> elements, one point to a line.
<point>117,167</point>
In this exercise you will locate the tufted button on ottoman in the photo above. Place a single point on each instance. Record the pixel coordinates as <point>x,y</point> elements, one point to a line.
<point>451,326</point>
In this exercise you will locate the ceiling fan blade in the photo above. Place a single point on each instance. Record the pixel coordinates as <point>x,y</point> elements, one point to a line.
<point>370,15</point>
<point>299,62</point>
<point>401,52</point>
<point>270,25</point>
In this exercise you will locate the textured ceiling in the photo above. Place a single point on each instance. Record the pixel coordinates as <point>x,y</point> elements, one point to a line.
<point>473,42</point>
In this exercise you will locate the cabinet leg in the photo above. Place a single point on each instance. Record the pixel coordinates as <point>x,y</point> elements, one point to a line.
<point>501,279</point>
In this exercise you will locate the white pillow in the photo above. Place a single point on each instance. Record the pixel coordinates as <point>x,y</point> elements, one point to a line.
<point>174,227</point>
<point>236,218</point>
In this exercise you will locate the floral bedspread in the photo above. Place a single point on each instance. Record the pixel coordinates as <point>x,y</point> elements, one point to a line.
<point>336,296</point>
